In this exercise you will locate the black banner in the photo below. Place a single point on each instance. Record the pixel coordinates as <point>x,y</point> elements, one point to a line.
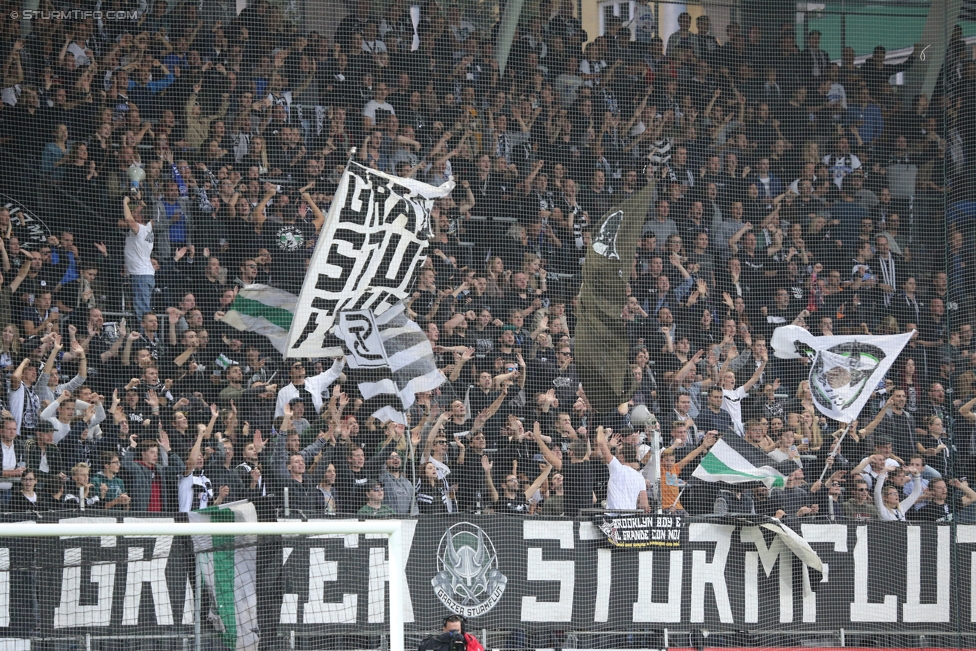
<point>642,530</point>
<point>512,572</point>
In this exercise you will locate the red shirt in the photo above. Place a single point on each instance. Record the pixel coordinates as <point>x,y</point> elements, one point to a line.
<point>155,490</point>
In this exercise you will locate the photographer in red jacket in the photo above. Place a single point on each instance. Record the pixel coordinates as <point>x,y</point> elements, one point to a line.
<point>452,637</point>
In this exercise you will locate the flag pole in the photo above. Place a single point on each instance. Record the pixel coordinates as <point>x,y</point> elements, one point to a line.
<point>677,499</point>
<point>834,454</point>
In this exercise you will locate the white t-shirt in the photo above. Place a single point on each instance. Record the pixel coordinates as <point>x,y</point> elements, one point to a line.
<point>25,407</point>
<point>191,486</point>
<point>81,57</point>
<point>841,166</point>
<point>732,403</point>
<point>372,106</point>
<point>9,463</point>
<point>138,248</point>
<point>624,487</point>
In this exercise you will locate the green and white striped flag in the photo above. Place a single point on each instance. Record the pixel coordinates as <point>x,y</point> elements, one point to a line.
<point>723,464</point>
<point>265,310</point>
<point>229,568</point>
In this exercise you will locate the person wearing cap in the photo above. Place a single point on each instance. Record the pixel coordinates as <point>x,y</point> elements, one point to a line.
<point>43,456</point>
<point>452,632</point>
<point>374,501</point>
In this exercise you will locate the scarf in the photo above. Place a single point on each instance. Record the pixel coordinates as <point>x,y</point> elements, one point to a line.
<point>888,273</point>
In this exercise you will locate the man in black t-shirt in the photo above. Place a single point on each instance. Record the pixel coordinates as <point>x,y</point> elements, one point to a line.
<point>942,505</point>
<point>513,499</point>
<point>579,475</point>
<point>287,234</point>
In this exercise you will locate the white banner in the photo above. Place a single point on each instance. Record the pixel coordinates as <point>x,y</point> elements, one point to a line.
<point>372,242</point>
<point>844,369</point>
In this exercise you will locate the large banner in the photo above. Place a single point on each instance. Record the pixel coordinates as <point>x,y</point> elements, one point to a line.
<point>373,240</point>
<point>512,572</point>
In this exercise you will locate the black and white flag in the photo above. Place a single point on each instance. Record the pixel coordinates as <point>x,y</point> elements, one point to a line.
<point>844,369</point>
<point>373,240</point>
<point>390,359</point>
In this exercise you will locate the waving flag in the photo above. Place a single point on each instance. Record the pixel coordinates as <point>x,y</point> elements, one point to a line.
<point>390,359</point>
<point>844,370</point>
<point>723,464</point>
<point>264,310</point>
<point>373,240</point>
<point>602,349</point>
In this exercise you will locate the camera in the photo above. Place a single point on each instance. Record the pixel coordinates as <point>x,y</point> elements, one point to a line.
<point>457,641</point>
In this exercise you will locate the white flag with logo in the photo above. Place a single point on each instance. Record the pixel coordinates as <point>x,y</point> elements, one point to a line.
<point>844,369</point>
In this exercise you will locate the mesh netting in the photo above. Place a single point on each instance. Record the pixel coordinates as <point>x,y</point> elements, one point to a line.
<point>644,193</point>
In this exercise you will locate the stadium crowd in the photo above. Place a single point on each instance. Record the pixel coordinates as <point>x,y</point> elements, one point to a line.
<point>789,189</point>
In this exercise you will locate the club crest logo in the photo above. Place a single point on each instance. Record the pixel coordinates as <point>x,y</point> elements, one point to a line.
<point>841,373</point>
<point>468,580</point>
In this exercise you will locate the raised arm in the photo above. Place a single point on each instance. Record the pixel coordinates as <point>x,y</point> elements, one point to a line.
<point>969,495</point>
<point>708,441</point>
<point>873,425</point>
<point>759,371</point>
<point>434,431</point>
<point>879,492</point>
<point>194,456</point>
<point>909,501</point>
<point>530,491</point>
<point>258,215</point>
<point>487,464</point>
<point>734,240</point>
<point>551,458</point>
<point>689,366</point>
<point>602,446</point>
<point>130,221</point>
<point>15,377</point>
<point>53,357</point>
<point>967,410</point>
<point>214,414</point>
<point>318,216</point>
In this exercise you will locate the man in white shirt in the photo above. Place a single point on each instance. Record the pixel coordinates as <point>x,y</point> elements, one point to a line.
<point>309,389</point>
<point>843,162</point>
<point>24,403</point>
<point>378,103</point>
<point>732,397</point>
<point>195,490</point>
<point>626,489</point>
<point>13,460</point>
<point>138,250</point>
